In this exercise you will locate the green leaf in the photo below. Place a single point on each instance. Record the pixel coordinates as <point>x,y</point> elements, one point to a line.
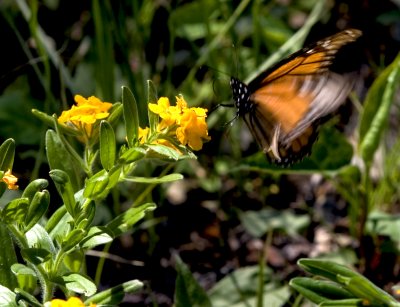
<point>258,223</point>
<point>163,179</point>
<point>33,187</point>
<point>7,152</point>
<point>95,186</point>
<point>163,151</point>
<point>131,117</point>
<point>240,285</point>
<point>384,224</point>
<point>7,297</point>
<point>37,208</point>
<point>78,283</point>
<point>75,260</point>
<point>65,189</point>
<point>352,281</point>
<point>30,300</point>
<point>14,212</point>
<point>376,109</point>
<point>35,256</point>
<point>123,222</point>
<point>115,113</point>
<point>319,291</point>
<point>7,258</point>
<point>114,295</point>
<point>152,98</point>
<point>187,290</point>
<point>26,277</point>
<point>59,158</point>
<point>73,239</point>
<point>107,145</point>
<point>38,236</point>
<point>132,155</point>
<point>97,235</point>
<point>49,121</point>
<point>55,220</point>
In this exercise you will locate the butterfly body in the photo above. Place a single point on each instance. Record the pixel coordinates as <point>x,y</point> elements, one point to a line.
<point>285,105</point>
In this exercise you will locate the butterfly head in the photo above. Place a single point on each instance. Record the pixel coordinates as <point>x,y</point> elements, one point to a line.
<point>241,96</point>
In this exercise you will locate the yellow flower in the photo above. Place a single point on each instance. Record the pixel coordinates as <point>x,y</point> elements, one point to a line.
<point>143,133</point>
<point>85,113</point>
<point>189,124</point>
<point>71,302</point>
<point>193,128</point>
<point>10,180</point>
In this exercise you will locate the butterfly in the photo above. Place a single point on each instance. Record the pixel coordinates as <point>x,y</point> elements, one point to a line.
<point>284,106</point>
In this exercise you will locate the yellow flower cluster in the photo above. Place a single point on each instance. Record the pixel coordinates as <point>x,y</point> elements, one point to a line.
<point>85,113</point>
<point>188,124</point>
<point>10,180</point>
<point>71,302</point>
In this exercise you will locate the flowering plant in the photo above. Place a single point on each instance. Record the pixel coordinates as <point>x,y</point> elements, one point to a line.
<point>53,247</point>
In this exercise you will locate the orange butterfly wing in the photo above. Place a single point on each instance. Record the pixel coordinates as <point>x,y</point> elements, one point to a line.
<point>294,96</point>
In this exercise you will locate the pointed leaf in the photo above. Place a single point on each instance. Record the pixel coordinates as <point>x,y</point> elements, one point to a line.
<point>65,189</point>
<point>187,290</point>
<point>107,145</point>
<point>114,295</point>
<point>78,283</point>
<point>131,116</point>
<point>376,109</point>
<point>123,222</point>
<point>59,158</point>
<point>7,152</point>
<point>163,179</point>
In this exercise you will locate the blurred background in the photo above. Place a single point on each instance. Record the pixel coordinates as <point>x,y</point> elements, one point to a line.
<point>232,204</point>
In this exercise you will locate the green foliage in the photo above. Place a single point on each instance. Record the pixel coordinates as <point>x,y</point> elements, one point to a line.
<point>343,288</point>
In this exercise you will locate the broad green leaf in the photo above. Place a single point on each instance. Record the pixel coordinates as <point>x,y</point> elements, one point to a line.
<point>384,224</point>
<point>78,283</point>
<point>163,179</point>
<point>7,152</point>
<point>188,292</point>
<point>59,158</point>
<point>123,222</point>
<point>131,117</point>
<point>26,277</point>
<point>7,297</point>
<point>38,236</point>
<point>65,189</point>
<point>240,285</point>
<point>114,295</point>
<point>14,212</point>
<point>37,208</point>
<point>96,236</point>
<point>376,109</point>
<point>258,223</point>
<point>107,145</point>
<point>75,260</point>
<point>7,258</point>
